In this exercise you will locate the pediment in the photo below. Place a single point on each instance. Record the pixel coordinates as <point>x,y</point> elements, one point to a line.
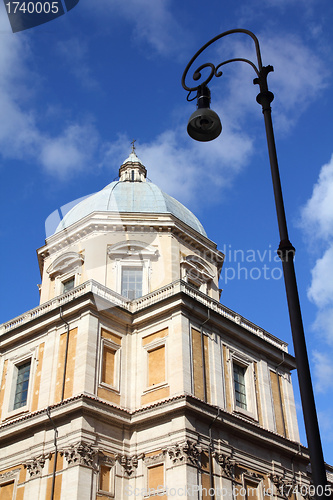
<point>64,263</point>
<point>132,249</point>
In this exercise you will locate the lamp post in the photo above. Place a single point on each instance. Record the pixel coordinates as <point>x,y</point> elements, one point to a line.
<point>204,125</point>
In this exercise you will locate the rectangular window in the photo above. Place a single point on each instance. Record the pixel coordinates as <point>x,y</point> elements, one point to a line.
<point>68,285</point>
<point>131,282</point>
<point>7,490</point>
<point>156,478</point>
<point>276,384</point>
<point>156,366</point>
<point>22,384</point>
<point>239,384</point>
<point>108,367</point>
<point>104,478</point>
<point>200,364</point>
<point>251,491</point>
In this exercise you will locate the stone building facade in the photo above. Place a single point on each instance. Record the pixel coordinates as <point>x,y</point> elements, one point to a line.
<point>131,379</point>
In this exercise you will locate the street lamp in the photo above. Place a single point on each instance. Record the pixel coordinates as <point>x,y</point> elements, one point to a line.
<point>205,125</point>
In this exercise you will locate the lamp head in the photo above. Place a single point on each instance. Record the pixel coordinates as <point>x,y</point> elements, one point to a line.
<point>204,124</point>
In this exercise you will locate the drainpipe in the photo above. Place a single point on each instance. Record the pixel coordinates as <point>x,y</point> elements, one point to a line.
<point>48,412</point>
<point>210,453</point>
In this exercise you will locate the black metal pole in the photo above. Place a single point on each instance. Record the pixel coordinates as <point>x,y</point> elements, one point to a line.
<point>286,253</point>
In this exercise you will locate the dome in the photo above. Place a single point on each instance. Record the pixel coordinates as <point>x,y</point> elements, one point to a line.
<point>131,193</point>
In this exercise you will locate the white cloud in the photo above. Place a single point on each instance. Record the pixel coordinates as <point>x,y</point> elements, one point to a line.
<point>21,136</point>
<point>323,371</point>
<point>293,62</point>
<point>177,165</point>
<point>317,219</point>
<point>70,151</point>
<point>321,288</point>
<point>317,214</point>
<point>325,422</point>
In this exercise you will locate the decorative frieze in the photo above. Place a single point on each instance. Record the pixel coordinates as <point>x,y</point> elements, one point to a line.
<point>183,453</point>
<point>11,474</point>
<point>80,454</point>
<point>226,463</point>
<point>129,463</point>
<point>35,465</point>
<point>155,459</point>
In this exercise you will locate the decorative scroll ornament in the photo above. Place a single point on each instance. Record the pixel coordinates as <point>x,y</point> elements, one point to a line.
<point>80,454</point>
<point>186,452</point>
<point>227,465</point>
<point>129,463</point>
<point>35,465</point>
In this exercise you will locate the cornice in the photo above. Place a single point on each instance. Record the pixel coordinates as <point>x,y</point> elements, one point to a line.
<point>182,404</point>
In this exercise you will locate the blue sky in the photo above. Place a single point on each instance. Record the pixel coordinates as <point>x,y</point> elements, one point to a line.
<point>76,91</point>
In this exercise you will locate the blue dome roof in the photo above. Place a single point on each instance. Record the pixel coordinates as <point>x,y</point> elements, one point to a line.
<point>136,197</point>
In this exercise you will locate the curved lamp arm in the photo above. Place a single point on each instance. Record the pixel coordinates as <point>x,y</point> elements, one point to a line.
<point>214,70</point>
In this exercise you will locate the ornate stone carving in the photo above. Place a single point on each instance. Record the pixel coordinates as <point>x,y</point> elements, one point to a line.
<point>35,465</point>
<point>186,452</point>
<point>154,459</point>
<point>9,474</point>
<point>106,459</point>
<point>129,463</point>
<point>80,454</point>
<point>226,463</point>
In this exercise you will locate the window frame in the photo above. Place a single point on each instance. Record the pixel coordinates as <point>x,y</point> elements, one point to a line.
<point>136,268</point>
<point>159,491</point>
<point>152,346</point>
<point>109,344</point>
<point>111,492</point>
<point>63,268</point>
<point>10,389</point>
<point>243,370</point>
<point>132,253</point>
<point>248,364</point>
<point>17,374</point>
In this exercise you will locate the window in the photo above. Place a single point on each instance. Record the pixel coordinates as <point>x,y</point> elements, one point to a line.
<point>6,490</point>
<point>155,479</point>
<point>68,285</point>
<point>131,262</point>
<point>108,367</point>
<point>239,385</point>
<point>131,282</point>
<point>156,366</point>
<point>106,479</point>
<point>22,384</point>
<point>110,360</point>
<point>278,403</point>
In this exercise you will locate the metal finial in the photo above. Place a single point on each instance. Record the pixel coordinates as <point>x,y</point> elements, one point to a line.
<point>133,146</point>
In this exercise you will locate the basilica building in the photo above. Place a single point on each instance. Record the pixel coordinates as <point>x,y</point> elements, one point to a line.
<point>131,379</point>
